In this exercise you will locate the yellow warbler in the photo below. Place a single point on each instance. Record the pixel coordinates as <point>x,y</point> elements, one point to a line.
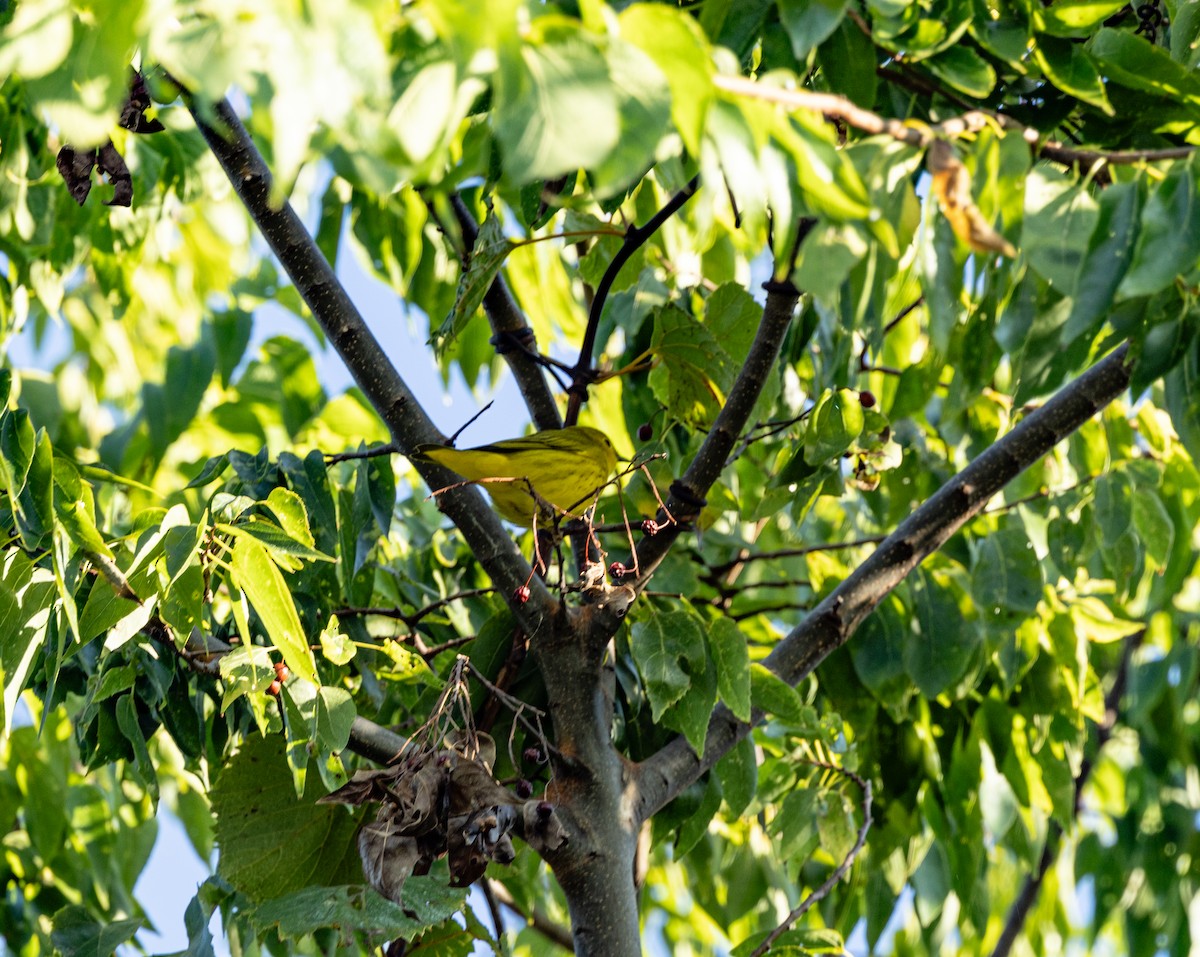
<point>566,467</point>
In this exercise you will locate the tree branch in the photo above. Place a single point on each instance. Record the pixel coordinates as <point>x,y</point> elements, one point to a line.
<point>686,497</point>
<point>374,373</point>
<point>840,108</point>
<point>508,322</point>
<point>665,774</point>
<point>635,238</point>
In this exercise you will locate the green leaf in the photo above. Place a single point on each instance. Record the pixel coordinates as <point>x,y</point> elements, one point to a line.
<point>1164,346</point>
<point>182,605</point>
<point>1169,241</point>
<point>833,427</point>
<point>738,774</point>
<point>75,933</point>
<point>810,22</point>
<point>292,515</point>
<point>335,646</point>
<point>1155,529</point>
<point>26,463</point>
<point>693,712</point>
<point>25,595</point>
<point>354,909</point>
<point>1135,62</point>
<point>1075,17</point>
<point>127,721</point>
<point>938,655</point>
<point>847,58</point>
<point>827,257</point>
<point>662,645</point>
<point>644,109</point>
<point>732,657</point>
<point>213,469</point>
<point>827,177</point>
<point>835,825</point>
<point>963,69</point>
<point>877,652</point>
<point>256,574</point>
<point>247,671</point>
<point>771,693</point>
<point>1069,67</point>
<point>318,724</point>
<point>195,921</point>
<point>1006,577</point>
<point>1106,259</point>
<point>555,110</point>
<point>693,371</point>
<point>676,43</point>
<point>1095,622</point>
<point>171,406</point>
<point>1113,506</point>
<point>281,546</point>
<point>491,248</point>
<point>75,509</point>
<point>693,830</point>
<point>271,842</point>
<point>1060,218</point>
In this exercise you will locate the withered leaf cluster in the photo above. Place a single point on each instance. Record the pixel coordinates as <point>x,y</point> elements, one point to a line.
<point>75,166</point>
<point>442,801</point>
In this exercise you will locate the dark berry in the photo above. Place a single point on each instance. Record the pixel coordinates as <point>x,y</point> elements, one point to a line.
<point>521,595</point>
<point>618,570</point>
<point>524,789</point>
<point>867,398</point>
<point>533,755</point>
<point>544,810</point>
<point>645,432</point>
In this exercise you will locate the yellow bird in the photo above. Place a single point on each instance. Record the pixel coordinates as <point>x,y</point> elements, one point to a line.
<point>566,467</point>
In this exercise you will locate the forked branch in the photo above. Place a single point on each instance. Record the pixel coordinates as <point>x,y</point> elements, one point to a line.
<point>829,625</point>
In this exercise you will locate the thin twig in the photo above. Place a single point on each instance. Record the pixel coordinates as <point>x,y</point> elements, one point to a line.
<point>555,933</point>
<point>792,553</point>
<point>411,618</point>
<point>635,238</point>
<point>1027,896</point>
<point>501,947</point>
<point>838,872</point>
<point>379,450</point>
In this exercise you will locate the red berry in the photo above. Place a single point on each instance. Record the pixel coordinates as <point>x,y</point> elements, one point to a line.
<point>867,398</point>
<point>618,570</point>
<point>645,432</point>
<point>524,789</point>
<point>650,527</point>
<point>281,671</point>
<point>275,688</point>
<point>521,594</point>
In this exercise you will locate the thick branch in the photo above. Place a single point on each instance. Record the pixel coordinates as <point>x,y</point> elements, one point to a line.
<point>366,360</point>
<point>830,624</point>
<point>508,322</point>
